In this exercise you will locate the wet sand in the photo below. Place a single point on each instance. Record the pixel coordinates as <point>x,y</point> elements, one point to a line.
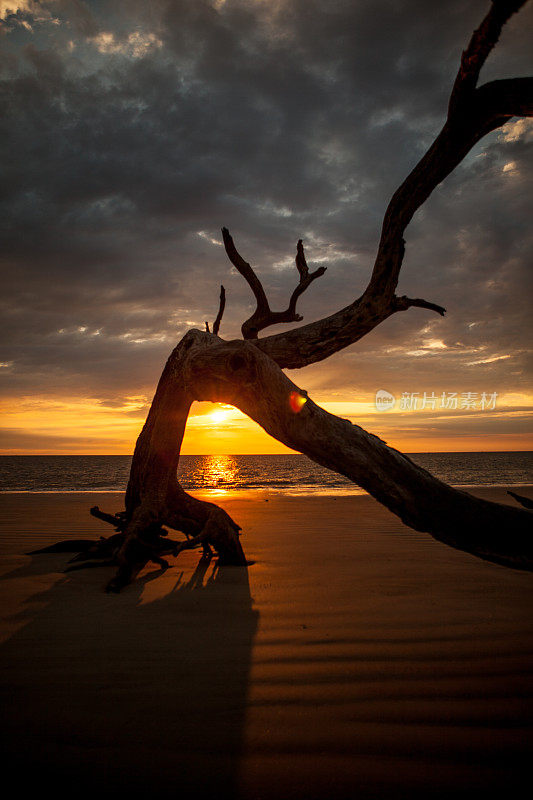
<point>354,658</point>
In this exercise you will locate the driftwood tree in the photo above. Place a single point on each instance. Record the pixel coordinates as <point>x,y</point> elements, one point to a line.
<point>248,374</point>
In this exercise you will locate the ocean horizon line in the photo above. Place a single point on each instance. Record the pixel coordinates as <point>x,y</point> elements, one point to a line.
<point>232,455</point>
<point>286,473</point>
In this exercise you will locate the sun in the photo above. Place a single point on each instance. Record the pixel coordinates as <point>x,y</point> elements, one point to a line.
<point>219,415</point>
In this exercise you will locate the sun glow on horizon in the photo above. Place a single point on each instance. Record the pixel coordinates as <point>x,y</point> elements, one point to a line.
<point>85,426</point>
<point>218,416</point>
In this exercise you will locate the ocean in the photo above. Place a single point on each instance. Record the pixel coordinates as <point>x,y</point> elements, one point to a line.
<point>290,474</point>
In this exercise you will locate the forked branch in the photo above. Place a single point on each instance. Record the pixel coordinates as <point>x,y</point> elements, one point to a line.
<point>306,278</point>
<point>472,113</point>
<point>263,317</point>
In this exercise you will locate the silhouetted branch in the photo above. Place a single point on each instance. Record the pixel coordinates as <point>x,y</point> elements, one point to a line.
<point>473,113</point>
<point>482,42</point>
<point>263,317</point>
<point>247,273</point>
<point>306,278</point>
<point>404,302</point>
<point>222,306</point>
<point>301,263</point>
<point>503,99</point>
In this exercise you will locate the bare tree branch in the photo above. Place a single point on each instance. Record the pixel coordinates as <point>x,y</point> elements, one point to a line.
<point>473,114</point>
<point>404,302</point>
<point>222,306</point>
<point>263,317</point>
<point>306,278</point>
<point>499,101</point>
<point>247,272</point>
<point>301,263</point>
<point>482,42</point>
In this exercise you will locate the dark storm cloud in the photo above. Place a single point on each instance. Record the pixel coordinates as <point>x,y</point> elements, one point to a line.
<point>131,132</point>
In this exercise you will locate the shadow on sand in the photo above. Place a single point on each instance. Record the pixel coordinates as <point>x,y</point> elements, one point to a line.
<point>141,693</point>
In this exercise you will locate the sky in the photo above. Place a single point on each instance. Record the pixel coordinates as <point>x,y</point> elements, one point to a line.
<point>131,132</point>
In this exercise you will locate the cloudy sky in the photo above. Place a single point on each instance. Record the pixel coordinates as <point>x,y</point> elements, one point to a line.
<point>132,131</point>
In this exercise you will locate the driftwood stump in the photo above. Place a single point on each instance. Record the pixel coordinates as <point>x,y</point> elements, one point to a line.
<point>248,374</point>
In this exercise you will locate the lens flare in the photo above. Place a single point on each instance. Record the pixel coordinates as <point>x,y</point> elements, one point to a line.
<point>297,401</point>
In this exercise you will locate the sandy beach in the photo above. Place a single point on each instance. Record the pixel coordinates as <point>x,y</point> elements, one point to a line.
<point>354,658</point>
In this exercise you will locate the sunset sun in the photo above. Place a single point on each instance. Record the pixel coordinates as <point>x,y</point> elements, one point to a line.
<point>218,415</point>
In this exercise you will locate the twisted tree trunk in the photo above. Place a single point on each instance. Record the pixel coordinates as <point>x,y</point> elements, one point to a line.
<point>204,367</point>
<point>248,374</point>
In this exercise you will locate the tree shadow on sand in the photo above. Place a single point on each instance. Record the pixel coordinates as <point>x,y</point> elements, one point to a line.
<point>144,692</point>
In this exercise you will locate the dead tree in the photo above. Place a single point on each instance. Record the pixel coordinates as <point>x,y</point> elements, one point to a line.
<point>248,374</point>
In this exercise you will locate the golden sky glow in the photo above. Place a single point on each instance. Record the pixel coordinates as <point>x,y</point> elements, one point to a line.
<point>85,426</point>
<point>110,260</point>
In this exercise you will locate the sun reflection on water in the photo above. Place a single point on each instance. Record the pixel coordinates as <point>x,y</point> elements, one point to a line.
<point>218,473</point>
